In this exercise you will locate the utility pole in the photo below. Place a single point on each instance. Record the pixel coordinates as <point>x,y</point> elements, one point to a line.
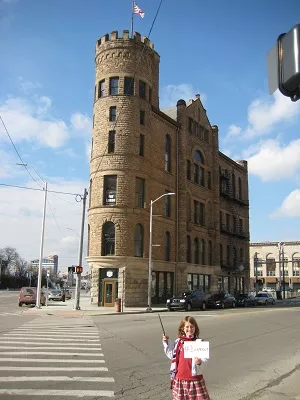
<point>79,266</point>
<point>255,269</point>
<point>39,284</point>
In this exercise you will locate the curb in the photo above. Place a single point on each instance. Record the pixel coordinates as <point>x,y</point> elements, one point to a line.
<point>89,312</point>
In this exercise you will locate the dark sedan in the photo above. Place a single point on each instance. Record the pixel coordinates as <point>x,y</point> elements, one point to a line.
<point>245,300</point>
<point>187,301</point>
<point>221,300</point>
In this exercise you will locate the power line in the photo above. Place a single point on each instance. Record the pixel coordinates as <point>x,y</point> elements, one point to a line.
<point>132,80</point>
<point>41,190</point>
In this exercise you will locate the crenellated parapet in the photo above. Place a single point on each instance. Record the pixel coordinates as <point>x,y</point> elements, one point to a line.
<point>114,36</point>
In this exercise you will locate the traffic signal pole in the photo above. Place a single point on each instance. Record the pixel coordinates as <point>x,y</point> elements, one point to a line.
<point>78,268</point>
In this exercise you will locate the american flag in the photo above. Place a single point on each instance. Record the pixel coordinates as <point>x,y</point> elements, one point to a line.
<point>137,10</point>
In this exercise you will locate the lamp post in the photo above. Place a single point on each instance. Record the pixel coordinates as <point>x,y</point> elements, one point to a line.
<point>280,251</point>
<point>39,283</point>
<point>150,251</point>
<point>255,270</point>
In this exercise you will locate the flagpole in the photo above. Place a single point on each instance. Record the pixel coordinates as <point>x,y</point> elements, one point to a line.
<point>132,19</point>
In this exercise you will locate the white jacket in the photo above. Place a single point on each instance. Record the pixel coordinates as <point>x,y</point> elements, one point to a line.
<point>169,349</point>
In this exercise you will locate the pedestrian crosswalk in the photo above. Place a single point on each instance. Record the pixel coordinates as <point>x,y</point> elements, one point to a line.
<point>54,357</point>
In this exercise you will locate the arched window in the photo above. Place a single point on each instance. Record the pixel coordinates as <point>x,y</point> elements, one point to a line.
<point>203,250</point>
<point>199,174</point>
<point>168,153</point>
<point>138,241</point>
<point>108,239</point>
<point>188,249</point>
<point>167,246</point>
<point>240,190</point>
<point>210,253</point>
<point>196,251</point>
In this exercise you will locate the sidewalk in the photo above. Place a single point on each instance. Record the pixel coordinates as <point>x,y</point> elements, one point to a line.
<point>86,308</point>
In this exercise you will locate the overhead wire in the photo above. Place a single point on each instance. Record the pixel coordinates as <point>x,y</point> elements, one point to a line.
<point>131,82</point>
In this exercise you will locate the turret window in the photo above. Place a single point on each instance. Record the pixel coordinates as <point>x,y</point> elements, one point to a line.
<point>142,89</point>
<point>111,141</point>
<point>113,113</point>
<point>101,88</point>
<point>114,86</point>
<point>128,86</point>
<point>108,239</point>
<point>110,190</point>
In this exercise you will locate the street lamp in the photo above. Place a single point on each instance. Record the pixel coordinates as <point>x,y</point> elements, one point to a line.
<point>150,251</point>
<point>39,283</point>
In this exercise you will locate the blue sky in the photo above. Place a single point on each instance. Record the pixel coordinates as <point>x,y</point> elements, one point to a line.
<point>216,48</point>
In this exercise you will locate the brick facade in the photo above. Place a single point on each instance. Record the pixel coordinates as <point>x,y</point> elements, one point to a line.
<point>188,131</point>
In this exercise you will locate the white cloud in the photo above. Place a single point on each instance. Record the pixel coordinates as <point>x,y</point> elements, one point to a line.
<point>274,161</point>
<point>25,219</point>
<point>82,123</point>
<point>290,206</point>
<point>28,86</point>
<point>28,120</point>
<point>170,94</point>
<point>265,113</point>
<point>234,130</point>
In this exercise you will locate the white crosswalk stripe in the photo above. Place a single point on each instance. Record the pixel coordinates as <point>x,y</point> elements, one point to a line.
<point>62,352</point>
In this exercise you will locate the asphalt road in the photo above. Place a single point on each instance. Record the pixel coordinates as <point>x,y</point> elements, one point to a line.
<point>254,354</point>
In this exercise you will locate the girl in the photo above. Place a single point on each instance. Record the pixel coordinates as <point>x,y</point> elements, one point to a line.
<point>187,381</point>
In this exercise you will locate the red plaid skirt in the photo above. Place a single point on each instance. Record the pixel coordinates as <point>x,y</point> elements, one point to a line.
<point>189,390</point>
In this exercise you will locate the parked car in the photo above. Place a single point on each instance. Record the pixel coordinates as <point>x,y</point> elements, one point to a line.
<point>55,294</point>
<point>264,298</point>
<point>68,294</point>
<point>187,301</point>
<point>221,300</point>
<point>245,300</point>
<point>27,296</point>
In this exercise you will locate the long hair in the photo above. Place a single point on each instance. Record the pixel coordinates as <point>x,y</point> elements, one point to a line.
<point>192,321</point>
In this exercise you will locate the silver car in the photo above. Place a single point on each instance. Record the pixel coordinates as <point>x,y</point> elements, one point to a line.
<point>55,294</point>
<point>264,298</point>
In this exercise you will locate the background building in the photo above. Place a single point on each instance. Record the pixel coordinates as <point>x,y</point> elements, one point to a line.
<point>139,153</point>
<point>50,263</point>
<point>275,262</point>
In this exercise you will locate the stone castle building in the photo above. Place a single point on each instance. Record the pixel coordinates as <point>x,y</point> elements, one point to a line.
<point>275,266</point>
<point>139,153</point>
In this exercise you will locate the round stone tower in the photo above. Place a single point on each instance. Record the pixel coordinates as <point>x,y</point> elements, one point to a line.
<point>126,89</point>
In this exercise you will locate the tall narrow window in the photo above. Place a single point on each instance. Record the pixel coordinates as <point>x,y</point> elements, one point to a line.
<point>210,253</point>
<point>167,246</point>
<point>101,88</point>
<point>221,220</point>
<point>138,241</point>
<point>209,179</point>
<point>228,255</point>
<point>168,153</point>
<point>188,170</point>
<point>240,190</point>
<point>241,256</point>
<point>167,205</point>
<point>196,173</point>
<point>108,239</point>
<point>188,249</point>
<point>227,222</point>
<point>128,86</point>
<point>202,214</point>
<point>203,252</point>
<point>234,257</point>
<point>139,192</point>
<point>150,95</point>
<point>196,251</point>
<point>110,190</point>
<point>142,89</point>
<point>196,212</point>
<point>202,176</point>
<point>113,113</point>
<point>142,145</point>
<point>233,185</point>
<point>142,117</point>
<point>111,141</point>
<point>114,86</point>
<point>221,254</point>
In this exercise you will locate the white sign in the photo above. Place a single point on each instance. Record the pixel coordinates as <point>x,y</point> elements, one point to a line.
<point>196,348</point>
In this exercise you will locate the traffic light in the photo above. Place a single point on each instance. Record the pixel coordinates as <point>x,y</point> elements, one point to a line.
<point>71,269</point>
<point>79,270</point>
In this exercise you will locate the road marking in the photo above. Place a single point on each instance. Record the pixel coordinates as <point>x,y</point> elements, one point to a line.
<point>46,339</point>
<point>46,335</point>
<point>55,369</point>
<point>46,346</point>
<point>58,331</point>
<point>50,360</point>
<point>70,393</point>
<point>54,378</point>
<point>49,353</point>
<point>52,344</point>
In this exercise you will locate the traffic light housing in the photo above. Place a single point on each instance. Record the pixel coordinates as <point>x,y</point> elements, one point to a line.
<point>79,270</point>
<point>71,269</point>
